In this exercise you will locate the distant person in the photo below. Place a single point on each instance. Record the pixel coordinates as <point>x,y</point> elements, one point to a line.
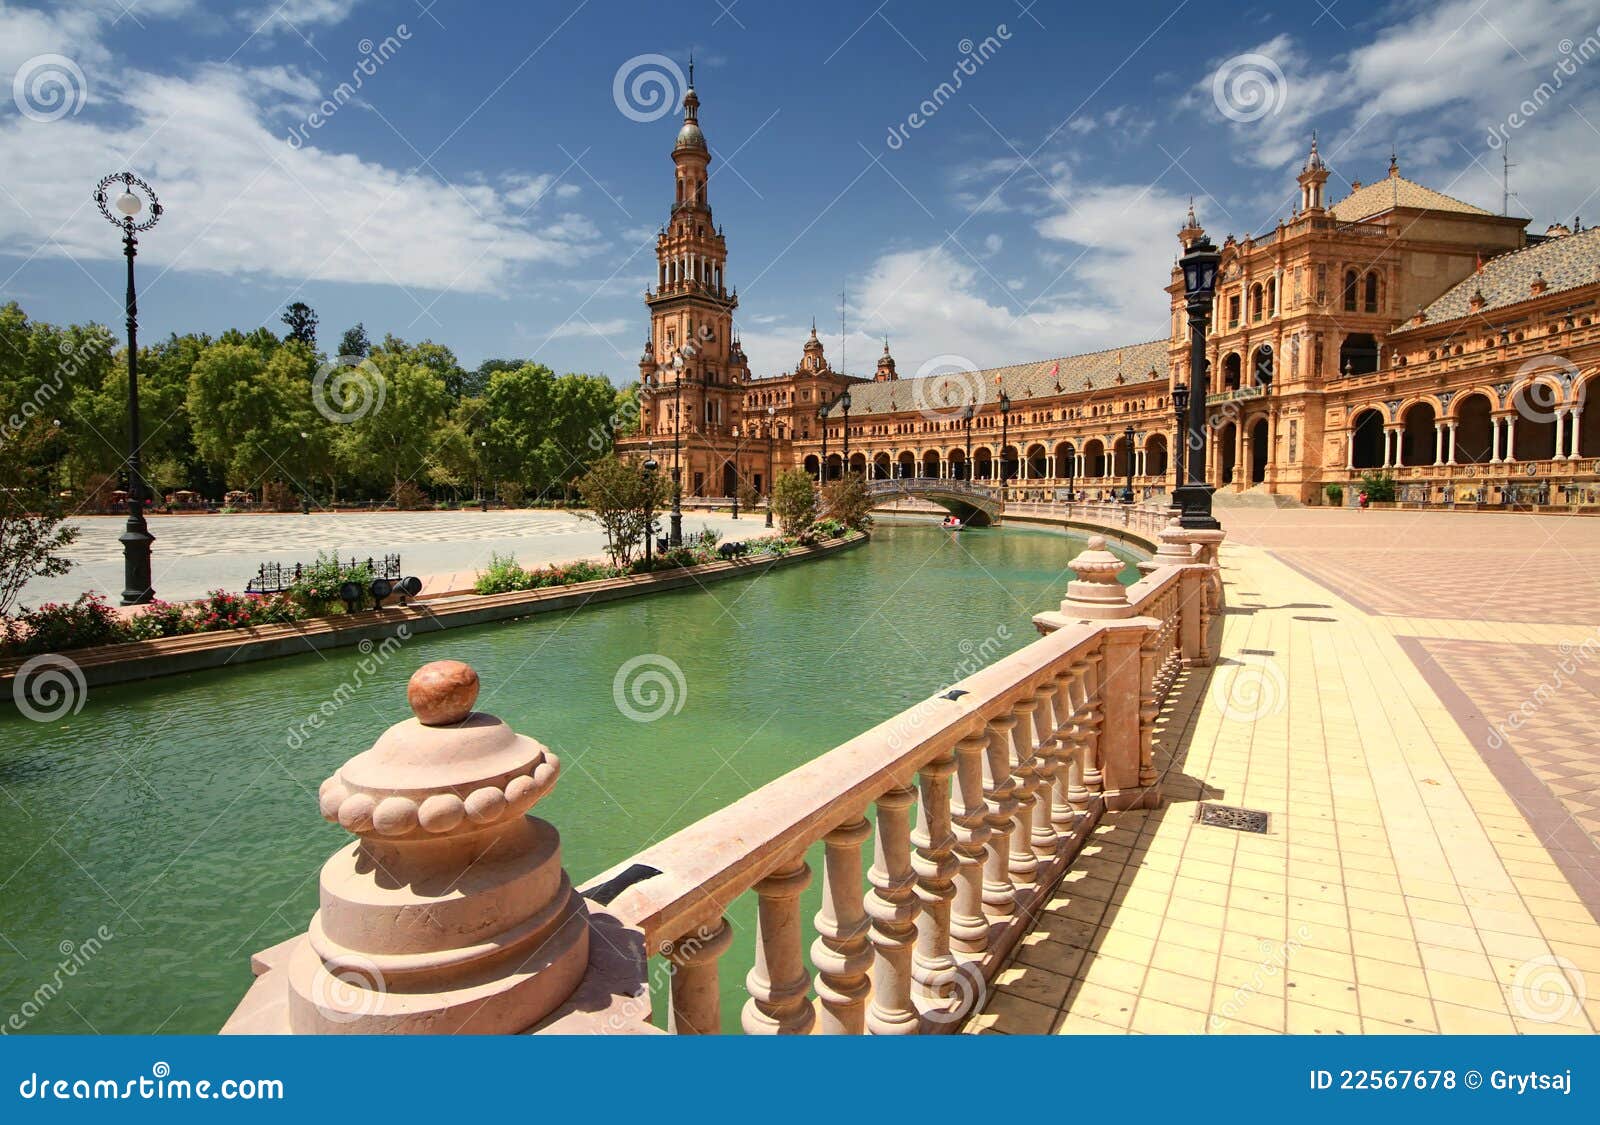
<point>1362,501</point>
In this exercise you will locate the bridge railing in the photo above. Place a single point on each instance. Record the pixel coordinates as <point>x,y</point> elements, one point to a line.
<point>1040,745</point>
<point>923,485</point>
<point>1148,519</point>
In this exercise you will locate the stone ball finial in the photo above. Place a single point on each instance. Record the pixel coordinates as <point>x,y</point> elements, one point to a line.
<point>1095,592</point>
<point>442,693</point>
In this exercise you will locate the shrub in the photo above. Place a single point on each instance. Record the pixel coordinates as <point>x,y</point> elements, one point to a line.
<point>160,619</point>
<point>828,528</point>
<point>503,575</point>
<point>708,538</point>
<point>224,610</point>
<point>513,494</point>
<point>1335,494</point>
<point>57,626</point>
<point>846,501</point>
<point>408,497</point>
<point>794,500</point>
<point>317,590</point>
<point>1378,486</point>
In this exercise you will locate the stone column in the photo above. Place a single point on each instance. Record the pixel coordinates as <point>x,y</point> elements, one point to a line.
<point>1451,458</point>
<point>999,893</point>
<point>842,953</point>
<point>893,908</point>
<point>1576,440</point>
<point>1494,444</point>
<point>969,928</point>
<point>696,993</point>
<point>1438,443</point>
<point>450,913</point>
<point>1561,434</point>
<point>1350,451</point>
<point>1511,437</point>
<point>933,968</point>
<point>778,983</point>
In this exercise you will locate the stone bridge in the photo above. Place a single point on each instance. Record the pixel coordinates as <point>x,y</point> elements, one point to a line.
<point>977,505</point>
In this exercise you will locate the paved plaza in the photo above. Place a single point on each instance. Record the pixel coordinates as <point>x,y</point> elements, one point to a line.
<point>1412,698</point>
<point>198,553</point>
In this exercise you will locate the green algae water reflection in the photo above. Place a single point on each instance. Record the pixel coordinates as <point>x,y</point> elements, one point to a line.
<point>179,816</point>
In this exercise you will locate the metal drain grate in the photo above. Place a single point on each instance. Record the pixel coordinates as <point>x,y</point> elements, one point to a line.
<point>1231,816</point>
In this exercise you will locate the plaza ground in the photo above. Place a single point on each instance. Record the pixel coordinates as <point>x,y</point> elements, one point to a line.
<point>194,554</point>
<point>1413,698</point>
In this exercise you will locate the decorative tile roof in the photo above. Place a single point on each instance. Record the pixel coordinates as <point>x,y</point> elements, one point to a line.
<point>1393,191</point>
<point>1024,382</point>
<point>1567,262</point>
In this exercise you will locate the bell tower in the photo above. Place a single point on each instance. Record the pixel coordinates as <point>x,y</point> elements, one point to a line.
<point>691,306</point>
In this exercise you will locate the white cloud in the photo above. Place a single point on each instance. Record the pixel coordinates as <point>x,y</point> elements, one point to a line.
<point>241,199</point>
<point>580,328</point>
<point>286,15</point>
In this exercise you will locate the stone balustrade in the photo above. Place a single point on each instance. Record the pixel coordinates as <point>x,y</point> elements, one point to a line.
<point>450,912</point>
<point>1009,770</point>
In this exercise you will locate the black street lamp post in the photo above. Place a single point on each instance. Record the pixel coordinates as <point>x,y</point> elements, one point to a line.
<point>1180,408</point>
<point>822,470</point>
<point>966,418</point>
<point>650,467</point>
<point>1199,265</point>
<point>1072,474</point>
<point>772,414</point>
<point>681,369</point>
<point>1127,437</point>
<point>136,537</point>
<point>844,401</point>
<point>1005,433</point>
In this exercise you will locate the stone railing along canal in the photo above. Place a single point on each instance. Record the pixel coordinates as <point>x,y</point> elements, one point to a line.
<point>451,911</point>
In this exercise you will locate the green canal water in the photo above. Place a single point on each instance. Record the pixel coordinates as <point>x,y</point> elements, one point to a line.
<point>179,816</point>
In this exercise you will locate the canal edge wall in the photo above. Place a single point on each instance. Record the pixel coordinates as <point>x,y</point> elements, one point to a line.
<point>169,656</point>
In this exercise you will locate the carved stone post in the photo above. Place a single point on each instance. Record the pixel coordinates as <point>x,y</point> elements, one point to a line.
<point>1047,764</point>
<point>696,1000</point>
<point>1025,782</point>
<point>450,912</point>
<point>969,928</point>
<point>893,907</point>
<point>1071,798</point>
<point>842,953</point>
<point>999,794</point>
<point>932,967</point>
<point>778,982</point>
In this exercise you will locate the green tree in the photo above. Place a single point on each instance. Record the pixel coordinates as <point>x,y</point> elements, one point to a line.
<point>794,501</point>
<point>847,501</point>
<point>33,540</point>
<point>301,320</point>
<point>393,442</point>
<point>354,341</point>
<point>247,410</point>
<point>619,494</point>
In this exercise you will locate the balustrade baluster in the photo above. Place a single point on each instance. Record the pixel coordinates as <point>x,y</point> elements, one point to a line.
<point>933,967</point>
<point>696,1001</point>
<point>999,795</point>
<point>893,908</point>
<point>1093,716</point>
<point>1149,706</point>
<point>1025,780</point>
<point>842,953</point>
<point>779,982</point>
<point>1043,838</point>
<point>969,928</point>
<point>1070,797</point>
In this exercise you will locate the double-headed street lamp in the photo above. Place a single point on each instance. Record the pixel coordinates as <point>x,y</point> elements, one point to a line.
<point>1180,408</point>
<point>680,369</point>
<point>822,470</point>
<point>1127,437</point>
<point>772,414</point>
<point>844,401</point>
<point>136,538</point>
<point>1199,265</point>
<point>1005,431</point>
<point>650,467</point>
<point>966,418</point>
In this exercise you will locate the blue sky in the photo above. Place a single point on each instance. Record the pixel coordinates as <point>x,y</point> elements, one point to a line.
<point>486,188</point>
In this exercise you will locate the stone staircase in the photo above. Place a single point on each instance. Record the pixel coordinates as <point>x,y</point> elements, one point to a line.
<point>1256,496</point>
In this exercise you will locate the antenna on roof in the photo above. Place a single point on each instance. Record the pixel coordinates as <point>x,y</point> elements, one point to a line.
<point>1506,194</point>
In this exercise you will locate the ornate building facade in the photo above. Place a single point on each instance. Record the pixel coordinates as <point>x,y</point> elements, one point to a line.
<point>1397,330</point>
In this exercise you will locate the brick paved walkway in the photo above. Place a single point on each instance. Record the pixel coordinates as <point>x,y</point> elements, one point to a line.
<point>1419,873</point>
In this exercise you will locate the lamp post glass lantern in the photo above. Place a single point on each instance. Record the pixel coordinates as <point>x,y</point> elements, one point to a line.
<point>124,212</point>
<point>1127,438</point>
<point>772,414</point>
<point>844,401</point>
<point>1199,266</point>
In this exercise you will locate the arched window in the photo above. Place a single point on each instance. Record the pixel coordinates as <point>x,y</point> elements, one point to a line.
<point>1350,291</point>
<point>1371,301</point>
<point>1255,302</point>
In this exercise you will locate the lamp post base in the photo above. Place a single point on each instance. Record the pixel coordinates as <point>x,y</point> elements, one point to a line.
<point>677,526</point>
<point>1194,501</point>
<point>136,540</point>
